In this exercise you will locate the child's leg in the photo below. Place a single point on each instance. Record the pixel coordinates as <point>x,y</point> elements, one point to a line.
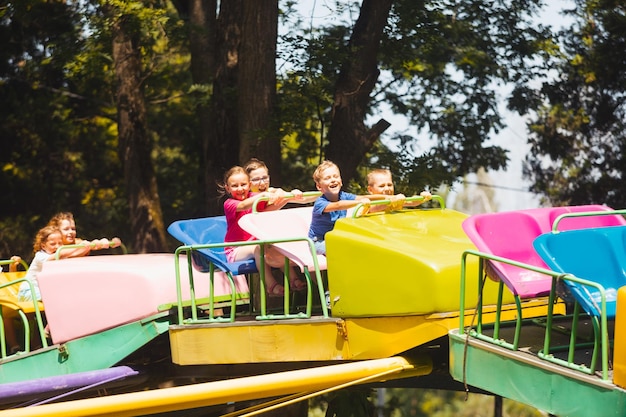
<point>277,260</point>
<point>10,335</point>
<point>320,247</point>
<point>273,287</point>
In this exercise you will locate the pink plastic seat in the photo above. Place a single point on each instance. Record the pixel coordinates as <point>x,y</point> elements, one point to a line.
<point>511,234</point>
<point>285,224</point>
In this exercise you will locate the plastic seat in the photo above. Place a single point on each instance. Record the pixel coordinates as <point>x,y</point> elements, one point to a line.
<point>286,224</point>
<point>511,234</point>
<point>594,254</point>
<point>208,230</point>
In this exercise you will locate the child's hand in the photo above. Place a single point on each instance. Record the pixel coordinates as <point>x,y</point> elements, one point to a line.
<point>16,261</point>
<point>115,242</point>
<point>427,196</point>
<point>277,196</point>
<point>100,243</point>
<point>397,202</point>
<point>365,208</point>
<point>297,194</point>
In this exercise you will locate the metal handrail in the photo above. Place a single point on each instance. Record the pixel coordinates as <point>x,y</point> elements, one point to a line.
<point>287,196</point>
<point>263,316</point>
<point>601,339</point>
<point>24,319</point>
<point>584,214</point>
<point>359,209</point>
<point>57,254</point>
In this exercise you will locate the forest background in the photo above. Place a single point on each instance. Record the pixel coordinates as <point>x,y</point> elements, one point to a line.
<point>127,113</point>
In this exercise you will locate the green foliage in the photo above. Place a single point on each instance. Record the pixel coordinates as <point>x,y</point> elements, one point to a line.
<point>58,128</point>
<point>441,64</point>
<point>413,402</point>
<point>577,134</point>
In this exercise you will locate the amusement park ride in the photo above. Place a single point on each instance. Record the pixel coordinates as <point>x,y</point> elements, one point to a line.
<point>528,305</point>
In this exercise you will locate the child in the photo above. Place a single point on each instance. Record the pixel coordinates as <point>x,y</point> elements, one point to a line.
<point>46,243</point>
<point>260,182</point>
<point>239,202</point>
<point>64,221</point>
<point>379,182</point>
<point>332,204</point>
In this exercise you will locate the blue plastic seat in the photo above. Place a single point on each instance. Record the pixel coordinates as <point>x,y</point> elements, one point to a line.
<point>594,254</point>
<point>208,230</point>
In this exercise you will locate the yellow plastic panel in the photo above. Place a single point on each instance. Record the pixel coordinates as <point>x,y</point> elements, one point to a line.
<point>619,352</point>
<point>402,263</point>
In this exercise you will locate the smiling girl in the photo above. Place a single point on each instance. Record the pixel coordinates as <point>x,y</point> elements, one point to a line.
<point>239,203</point>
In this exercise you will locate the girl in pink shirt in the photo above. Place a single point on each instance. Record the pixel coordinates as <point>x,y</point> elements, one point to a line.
<point>239,203</point>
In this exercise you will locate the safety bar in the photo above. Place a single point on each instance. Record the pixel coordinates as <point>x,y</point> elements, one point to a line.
<point>187,249</point>
<point>288,196</point>
<point>361,209</point>
<point>57,255</point>
<point>584,214</point>
<point>40,325</point>
<point>10,261</point>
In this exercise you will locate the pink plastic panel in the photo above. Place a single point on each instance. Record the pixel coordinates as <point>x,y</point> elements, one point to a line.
<point>87,295</point>
<point>511,234</point>
<point>281,224</point>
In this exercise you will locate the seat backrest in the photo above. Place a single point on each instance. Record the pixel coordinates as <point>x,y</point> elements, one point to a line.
<point>8,294</point>
<point>511,234</point>
<point>208,230</point>
<point>594,254</point>
<point>285,224</point>
<point>572,223</point>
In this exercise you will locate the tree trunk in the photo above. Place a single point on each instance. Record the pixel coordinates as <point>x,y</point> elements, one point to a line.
<point>135,146</point>
<point>348,137</point>
<point>223,146</point>
<point>201,15</point>
<point>257,85</point>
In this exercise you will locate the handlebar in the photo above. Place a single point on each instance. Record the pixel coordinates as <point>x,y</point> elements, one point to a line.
<point>286,196</point>
<point>361,211</point>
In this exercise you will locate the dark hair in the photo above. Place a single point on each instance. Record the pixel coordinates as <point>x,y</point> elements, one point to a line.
<point>253,164</point>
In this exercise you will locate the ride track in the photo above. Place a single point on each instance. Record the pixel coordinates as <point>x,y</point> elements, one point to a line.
<point>383,308</point>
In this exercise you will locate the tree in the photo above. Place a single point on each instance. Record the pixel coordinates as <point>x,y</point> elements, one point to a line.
<point>235,58</point>
<point>578,134</point>
<point>135,145</point>
<point>348,138</point>
<point>439,63</point>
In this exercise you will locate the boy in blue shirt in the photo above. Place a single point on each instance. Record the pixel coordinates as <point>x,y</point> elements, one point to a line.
<point>332,204</point>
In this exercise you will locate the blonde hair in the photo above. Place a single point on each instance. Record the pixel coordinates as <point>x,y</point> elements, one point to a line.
<point>317,175</point>
<point>58,218</point>
<point>374,172</point>
<point>42,235</point>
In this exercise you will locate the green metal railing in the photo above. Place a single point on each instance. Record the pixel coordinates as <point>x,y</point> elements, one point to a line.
<point>188,249</point>
<point>362,209</point>
<point>57,254</point>
<point>555,225</point>
<point>288,196</point>
<point>12,304</point>
<point>600,325</point>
